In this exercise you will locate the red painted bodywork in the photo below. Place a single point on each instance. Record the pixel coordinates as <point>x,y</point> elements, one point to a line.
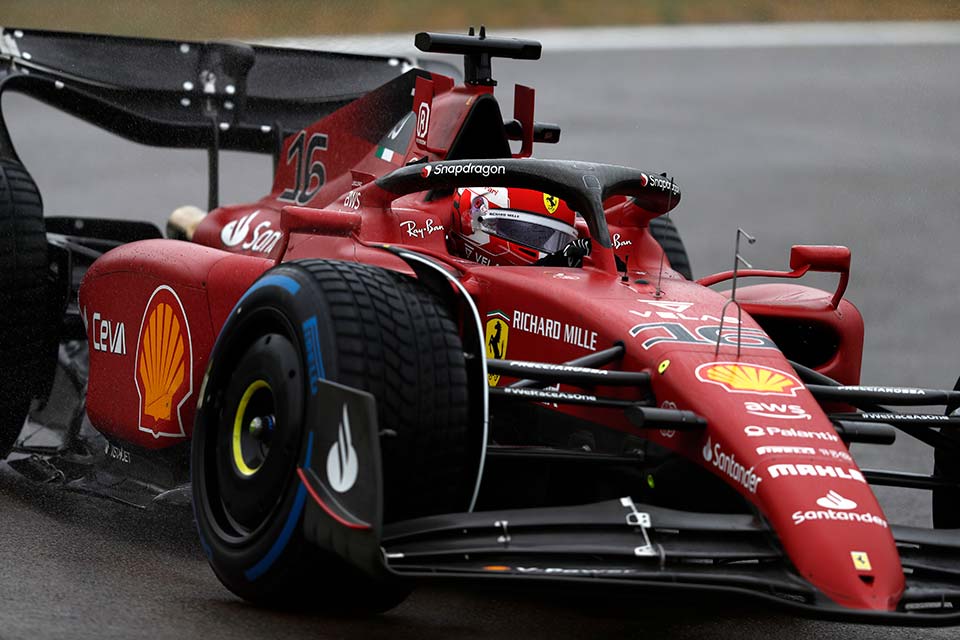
<point>552,314</point>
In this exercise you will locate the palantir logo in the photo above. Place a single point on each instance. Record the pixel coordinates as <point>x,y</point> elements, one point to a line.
<point>342,464</point>
<point>834,500</point>
<point>235,231</point>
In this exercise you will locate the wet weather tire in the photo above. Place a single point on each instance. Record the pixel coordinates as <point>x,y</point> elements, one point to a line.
<point>665,233</point>
<point>25,321</point>
<point>946,501</point>
<point>379,332</point>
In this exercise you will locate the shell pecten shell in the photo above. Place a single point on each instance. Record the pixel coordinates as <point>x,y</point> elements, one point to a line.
<point>162,366</point>
<point>750,378</point>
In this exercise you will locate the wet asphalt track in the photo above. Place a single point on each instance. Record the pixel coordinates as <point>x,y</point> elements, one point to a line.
<point>847,145</point>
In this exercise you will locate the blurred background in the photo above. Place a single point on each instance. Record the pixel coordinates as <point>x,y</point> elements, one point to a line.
<point>257,18</point>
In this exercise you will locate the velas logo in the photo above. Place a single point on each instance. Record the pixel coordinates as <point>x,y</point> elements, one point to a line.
<point>748,378</point>
<point>834,500</point>
<point>425,172</point>
<point>164,367</point>
<point>342,463</point>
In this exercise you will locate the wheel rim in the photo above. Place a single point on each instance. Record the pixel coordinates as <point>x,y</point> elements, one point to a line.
<point>253,427</point>
<point>252,448</point>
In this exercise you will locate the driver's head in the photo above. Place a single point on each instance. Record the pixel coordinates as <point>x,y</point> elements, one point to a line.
<point>501,226</point>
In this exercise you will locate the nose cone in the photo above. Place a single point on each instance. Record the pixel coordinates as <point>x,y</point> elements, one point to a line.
<point>768,438</point>
<point>839,540</point>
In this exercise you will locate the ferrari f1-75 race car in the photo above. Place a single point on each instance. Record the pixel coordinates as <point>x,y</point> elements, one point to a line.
<point>427,355</point>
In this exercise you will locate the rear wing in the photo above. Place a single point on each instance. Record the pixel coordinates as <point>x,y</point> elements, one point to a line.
<point>185,94</point>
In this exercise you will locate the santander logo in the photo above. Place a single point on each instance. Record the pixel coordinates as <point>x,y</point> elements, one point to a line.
<point>834,500</point>
<point>235,231</point>
<point>342,463</point>
<point>836,508</point>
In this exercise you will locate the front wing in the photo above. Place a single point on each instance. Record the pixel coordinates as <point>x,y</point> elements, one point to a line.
<point>620,543</point>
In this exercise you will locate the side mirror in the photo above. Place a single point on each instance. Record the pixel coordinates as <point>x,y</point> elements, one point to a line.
<point>324,222</point>
<point>829,258</point>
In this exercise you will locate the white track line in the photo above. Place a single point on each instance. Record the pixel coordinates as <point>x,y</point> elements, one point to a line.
<point>729,36</point>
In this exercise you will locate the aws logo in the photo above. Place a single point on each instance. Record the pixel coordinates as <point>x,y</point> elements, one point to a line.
<point>497,334</point>
<point>164,367</point>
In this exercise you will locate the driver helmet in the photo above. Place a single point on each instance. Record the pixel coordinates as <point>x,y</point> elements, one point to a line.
<point>507,226</point>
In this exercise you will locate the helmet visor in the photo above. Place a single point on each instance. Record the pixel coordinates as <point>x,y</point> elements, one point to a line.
<point>532,230</point>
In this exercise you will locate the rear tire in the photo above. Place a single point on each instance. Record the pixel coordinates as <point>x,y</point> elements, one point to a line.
<point>665,233</point>
<point>26,325</point>
<point>378,331</point>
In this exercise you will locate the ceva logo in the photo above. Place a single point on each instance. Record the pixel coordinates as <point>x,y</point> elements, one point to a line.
<point>834,500</point>
<point>235,231</point>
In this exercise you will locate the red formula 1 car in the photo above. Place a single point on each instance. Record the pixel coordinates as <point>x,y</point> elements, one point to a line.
<point>426,354</point>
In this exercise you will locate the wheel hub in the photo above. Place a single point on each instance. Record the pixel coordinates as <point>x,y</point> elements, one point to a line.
<point>252,428</point>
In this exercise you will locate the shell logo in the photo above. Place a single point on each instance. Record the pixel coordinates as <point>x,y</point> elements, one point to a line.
<point>164,368</point>
<point>749,378</point>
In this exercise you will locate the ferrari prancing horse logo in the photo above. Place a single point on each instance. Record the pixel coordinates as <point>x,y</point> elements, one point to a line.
<point>861,561</point>
<point>498,330</point>
<point>551,202</point>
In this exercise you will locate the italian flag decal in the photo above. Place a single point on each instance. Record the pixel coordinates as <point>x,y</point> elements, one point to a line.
<point>497,313</point>
<point>387,154</point>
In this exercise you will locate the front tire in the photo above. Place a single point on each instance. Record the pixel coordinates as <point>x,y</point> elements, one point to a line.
<point>377,331</point>
<point>26,322</point>
<point>946,501</point>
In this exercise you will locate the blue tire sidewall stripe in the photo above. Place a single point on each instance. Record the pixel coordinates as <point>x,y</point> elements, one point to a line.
<point>293,519</point>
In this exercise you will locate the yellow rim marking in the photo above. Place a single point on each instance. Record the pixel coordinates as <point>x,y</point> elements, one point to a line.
<point>238,427</point>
